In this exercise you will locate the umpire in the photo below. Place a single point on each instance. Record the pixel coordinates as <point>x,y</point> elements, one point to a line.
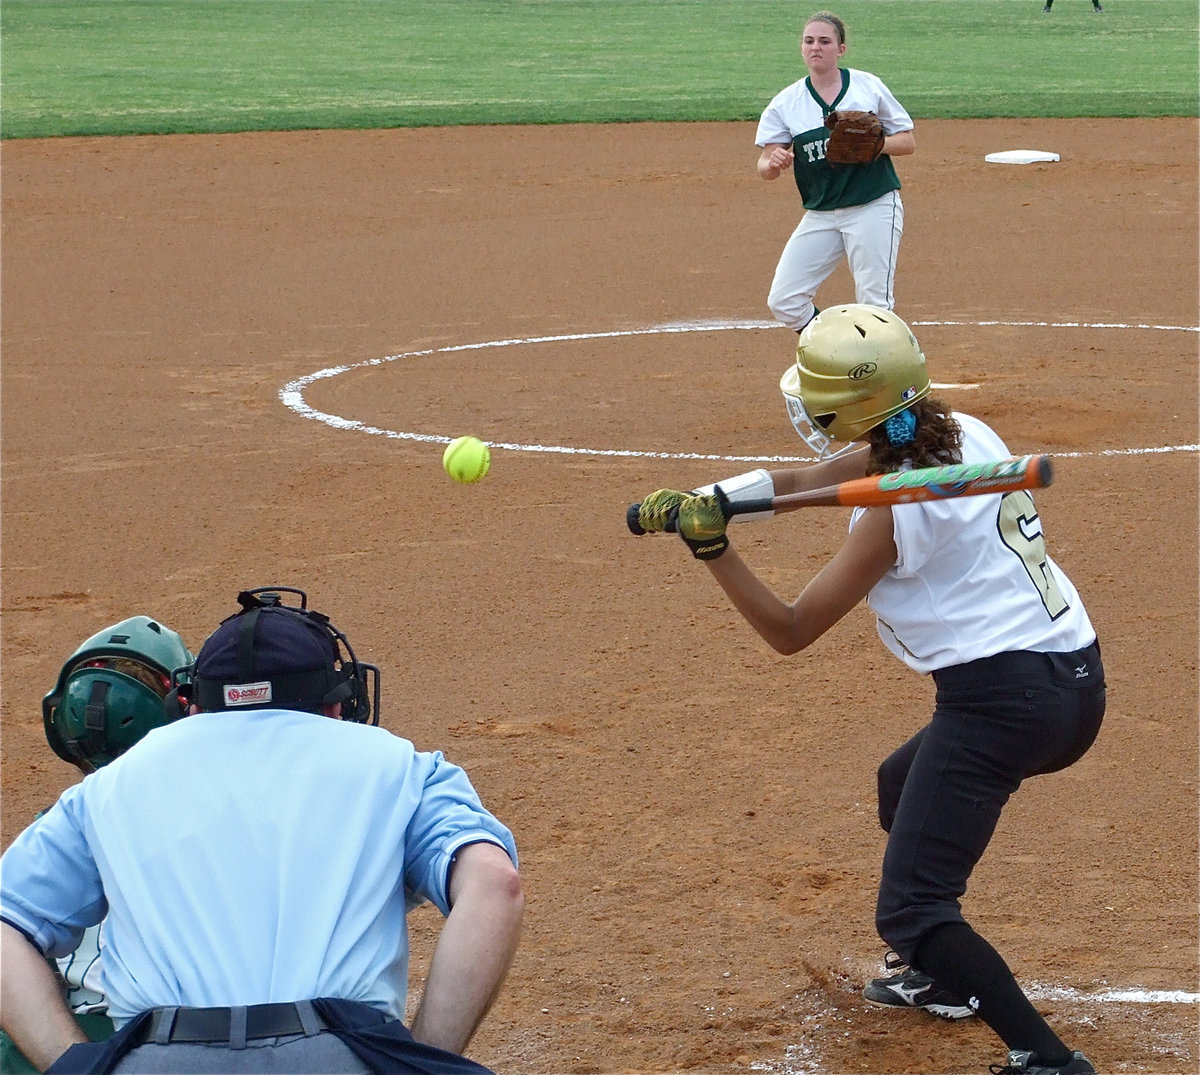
<point>256,861</point>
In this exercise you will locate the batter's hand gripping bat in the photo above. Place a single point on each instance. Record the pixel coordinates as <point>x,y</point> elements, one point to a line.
<point>904,487</point>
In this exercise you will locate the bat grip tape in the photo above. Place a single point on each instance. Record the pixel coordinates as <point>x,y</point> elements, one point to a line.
<point>752,507</point>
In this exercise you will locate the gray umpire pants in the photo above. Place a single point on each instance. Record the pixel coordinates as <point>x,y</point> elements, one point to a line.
<point>317,1054</point>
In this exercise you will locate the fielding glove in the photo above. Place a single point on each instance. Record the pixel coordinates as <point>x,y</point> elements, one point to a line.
<point>701,522</point>
<point>855,137</point>
<point>654,513</point>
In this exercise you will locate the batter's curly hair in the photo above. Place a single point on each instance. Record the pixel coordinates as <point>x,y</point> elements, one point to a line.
<point>937,441</point>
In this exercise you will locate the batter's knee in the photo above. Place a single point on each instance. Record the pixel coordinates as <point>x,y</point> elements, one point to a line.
<point>903,922</point>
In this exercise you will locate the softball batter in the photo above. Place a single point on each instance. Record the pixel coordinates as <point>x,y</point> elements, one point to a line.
<point>963,590</point>
<point>852,211</point>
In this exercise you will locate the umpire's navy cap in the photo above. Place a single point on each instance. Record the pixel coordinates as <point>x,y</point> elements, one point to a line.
<point>269,657</point>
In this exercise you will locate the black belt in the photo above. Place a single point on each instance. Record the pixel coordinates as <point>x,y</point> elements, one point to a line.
<point>235,1026</point>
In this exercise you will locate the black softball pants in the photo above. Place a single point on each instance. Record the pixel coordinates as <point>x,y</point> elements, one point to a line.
<point>996,722</point>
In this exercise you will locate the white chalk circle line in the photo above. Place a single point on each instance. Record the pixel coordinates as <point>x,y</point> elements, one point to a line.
<point>292,394</point>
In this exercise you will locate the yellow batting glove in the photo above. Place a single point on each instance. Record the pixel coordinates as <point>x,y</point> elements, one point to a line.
<point>654,513</point>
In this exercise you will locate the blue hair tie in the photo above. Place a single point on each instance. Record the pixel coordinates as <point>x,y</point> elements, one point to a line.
<point>901,428</point>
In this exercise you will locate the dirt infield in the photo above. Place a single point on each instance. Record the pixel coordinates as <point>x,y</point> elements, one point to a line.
<point>695,814</point>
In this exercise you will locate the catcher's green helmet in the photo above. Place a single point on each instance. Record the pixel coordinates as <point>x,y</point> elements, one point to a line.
<point>110,691</point>
<point>855,367</point>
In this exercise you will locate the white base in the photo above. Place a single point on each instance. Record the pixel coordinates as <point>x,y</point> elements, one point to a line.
<point>1021,156</point>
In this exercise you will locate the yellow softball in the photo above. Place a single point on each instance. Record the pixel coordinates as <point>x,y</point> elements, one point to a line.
<point>466,459</point>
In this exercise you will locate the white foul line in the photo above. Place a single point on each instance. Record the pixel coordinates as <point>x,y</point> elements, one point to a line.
<point>292,394</point>
<point>802,1058</point>
<point>1039,991</point>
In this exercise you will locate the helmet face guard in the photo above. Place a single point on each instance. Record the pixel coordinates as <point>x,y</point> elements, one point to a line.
<point>819,443</point>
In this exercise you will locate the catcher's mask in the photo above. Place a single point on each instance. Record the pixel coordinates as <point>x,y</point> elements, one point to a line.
<point>110,691</point>
<point>275,656</point>
<point>855,367</point>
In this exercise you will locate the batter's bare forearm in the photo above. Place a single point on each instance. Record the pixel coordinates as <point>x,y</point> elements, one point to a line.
<point>770,616</point>
<point>819,475</point>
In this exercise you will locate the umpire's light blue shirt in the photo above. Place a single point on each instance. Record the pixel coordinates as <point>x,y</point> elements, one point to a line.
<point>248,858</point>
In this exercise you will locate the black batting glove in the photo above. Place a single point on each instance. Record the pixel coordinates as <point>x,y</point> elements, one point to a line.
<point>701,522</point>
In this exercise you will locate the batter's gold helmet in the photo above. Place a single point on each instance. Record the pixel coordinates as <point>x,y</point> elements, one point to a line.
<point>855,367</point>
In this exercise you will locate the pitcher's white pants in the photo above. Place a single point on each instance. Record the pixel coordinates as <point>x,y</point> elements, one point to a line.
<point>868,236</point>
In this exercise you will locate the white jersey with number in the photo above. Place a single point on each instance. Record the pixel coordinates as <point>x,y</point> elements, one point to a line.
<point>972,577</point>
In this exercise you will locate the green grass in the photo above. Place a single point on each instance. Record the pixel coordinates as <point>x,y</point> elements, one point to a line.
<point>87,67</point>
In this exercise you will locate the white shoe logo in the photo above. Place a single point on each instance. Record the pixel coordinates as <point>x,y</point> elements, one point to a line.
<point>909,993</point>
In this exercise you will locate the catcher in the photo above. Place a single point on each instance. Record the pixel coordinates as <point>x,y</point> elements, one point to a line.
<point>837,130</point>
<point>964,591</point>
<point>108,695</point>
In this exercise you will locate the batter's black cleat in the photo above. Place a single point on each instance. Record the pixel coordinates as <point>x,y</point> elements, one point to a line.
<point>1022,1063</point>
<point>910,988</point>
